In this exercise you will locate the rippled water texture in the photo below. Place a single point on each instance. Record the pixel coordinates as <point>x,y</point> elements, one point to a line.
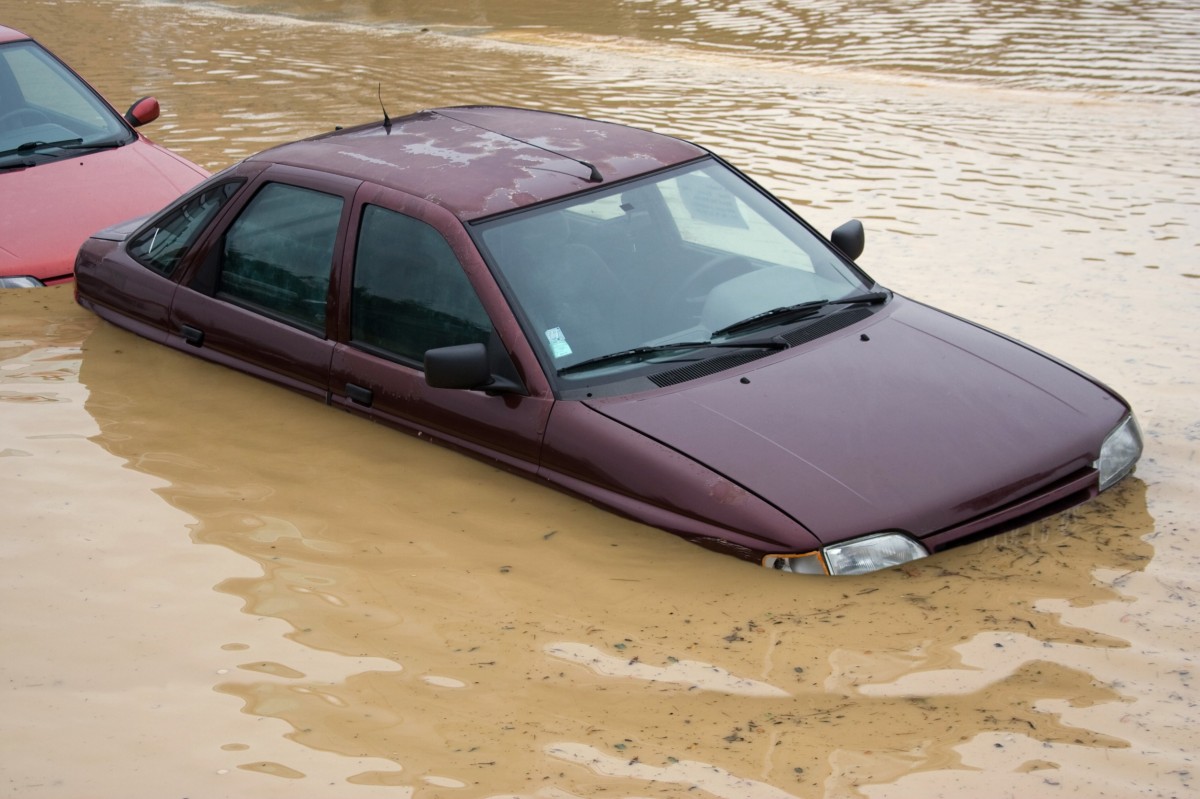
<point>214,587</point>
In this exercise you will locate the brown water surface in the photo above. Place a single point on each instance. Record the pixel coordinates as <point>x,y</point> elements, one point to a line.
<point>218,588</point>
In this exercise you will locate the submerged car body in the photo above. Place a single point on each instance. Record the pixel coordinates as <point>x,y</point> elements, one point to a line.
<point>622,315</point>
<point>69,164</point>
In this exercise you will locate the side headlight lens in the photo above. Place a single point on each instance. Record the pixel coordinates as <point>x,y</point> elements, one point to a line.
<point>1119,453</point>
<point>860,556</point>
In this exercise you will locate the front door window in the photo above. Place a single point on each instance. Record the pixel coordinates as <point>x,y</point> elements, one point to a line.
<point>410,292</point>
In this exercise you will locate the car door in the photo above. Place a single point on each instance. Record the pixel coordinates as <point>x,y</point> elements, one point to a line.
<point>260,298</point>
<point>406,292</point>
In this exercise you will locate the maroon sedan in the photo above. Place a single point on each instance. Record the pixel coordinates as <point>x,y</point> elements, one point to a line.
<point>626,317</point>
<point>69,164</point>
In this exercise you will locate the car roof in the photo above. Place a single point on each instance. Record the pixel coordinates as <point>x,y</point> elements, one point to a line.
<point>11,35</point>
<point>477,161</point>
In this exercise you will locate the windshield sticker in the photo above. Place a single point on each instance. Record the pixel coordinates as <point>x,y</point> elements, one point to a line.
<point>707,201</point>
<point>559,347</point>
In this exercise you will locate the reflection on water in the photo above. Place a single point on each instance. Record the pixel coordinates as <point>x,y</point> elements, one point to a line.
<point>415,623</point>
<point>1095,45</point>
<point>458,574</point>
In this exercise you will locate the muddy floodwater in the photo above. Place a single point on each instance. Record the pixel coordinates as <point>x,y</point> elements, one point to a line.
<point>215,588</point>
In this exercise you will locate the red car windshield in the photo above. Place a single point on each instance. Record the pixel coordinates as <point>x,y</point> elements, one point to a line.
<point>46,111</point>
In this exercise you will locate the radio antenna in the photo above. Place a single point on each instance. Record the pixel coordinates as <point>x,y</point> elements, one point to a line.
<point>387,121</point>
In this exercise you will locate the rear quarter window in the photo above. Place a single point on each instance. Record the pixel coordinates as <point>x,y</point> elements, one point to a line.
<point>162,246</point>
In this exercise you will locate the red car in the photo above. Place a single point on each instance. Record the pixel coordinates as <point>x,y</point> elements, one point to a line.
<point>624,316</point>
<point>69,164</point>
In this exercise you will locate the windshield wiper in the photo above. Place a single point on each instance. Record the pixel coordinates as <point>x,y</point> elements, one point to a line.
<point>786,313</point>
<point>776,315</point>
<point>108,144</point>
<point>638,352</point>
<point>37,146</point>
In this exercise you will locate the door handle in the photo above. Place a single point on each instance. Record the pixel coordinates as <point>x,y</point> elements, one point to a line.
<point>192,335</point>
<point>360,395</point>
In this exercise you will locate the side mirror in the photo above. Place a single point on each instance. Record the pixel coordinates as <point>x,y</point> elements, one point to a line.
<point>461,366</point>
<point>850,238</point>
<point>142,112</point>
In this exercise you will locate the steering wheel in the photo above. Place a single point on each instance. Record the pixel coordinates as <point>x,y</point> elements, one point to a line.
<point>695,287</point>
<point>9,120</point>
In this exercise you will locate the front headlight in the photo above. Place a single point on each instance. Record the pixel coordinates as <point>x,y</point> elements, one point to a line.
<point>872,553</point>
<point>1120,451</point>
<point>859,556</point>
<point>20,282</point>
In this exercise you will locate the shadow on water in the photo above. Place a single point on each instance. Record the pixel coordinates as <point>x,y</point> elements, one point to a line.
<point>532,631</point>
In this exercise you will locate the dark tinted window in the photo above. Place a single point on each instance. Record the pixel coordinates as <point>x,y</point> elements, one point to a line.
<point>278,254</point>
<point>410,292</point>
<point>162,245</point>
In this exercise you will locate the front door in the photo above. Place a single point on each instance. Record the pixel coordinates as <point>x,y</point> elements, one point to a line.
<point>409,293</point>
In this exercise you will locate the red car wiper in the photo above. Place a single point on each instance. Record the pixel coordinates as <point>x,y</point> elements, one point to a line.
<point>37,146</point>
<point>786,313</point>
<point>110,144</point>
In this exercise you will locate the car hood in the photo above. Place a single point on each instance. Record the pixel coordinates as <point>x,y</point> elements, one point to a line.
<point>913,420</point>
<point>47,211</point>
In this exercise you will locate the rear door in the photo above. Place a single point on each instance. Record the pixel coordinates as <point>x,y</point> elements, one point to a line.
<point>260,300</point>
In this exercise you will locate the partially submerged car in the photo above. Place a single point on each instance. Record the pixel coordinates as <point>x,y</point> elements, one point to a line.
<point>624,316</point>
<point>69,164</point>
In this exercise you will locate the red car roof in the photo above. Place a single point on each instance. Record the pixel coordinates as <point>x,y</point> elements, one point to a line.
<point>11,35</point>
<point>481,160</point>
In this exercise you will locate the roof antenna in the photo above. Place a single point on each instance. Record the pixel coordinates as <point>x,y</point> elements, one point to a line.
<point>387,121</point>
<point>595,177</point>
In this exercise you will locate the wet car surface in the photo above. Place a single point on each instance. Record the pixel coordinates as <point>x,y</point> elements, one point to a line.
<point>69,163</point>
<point>623,315</point>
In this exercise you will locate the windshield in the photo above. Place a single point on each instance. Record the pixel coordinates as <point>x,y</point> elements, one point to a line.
<point>683,256</point>
<point>46,111</point>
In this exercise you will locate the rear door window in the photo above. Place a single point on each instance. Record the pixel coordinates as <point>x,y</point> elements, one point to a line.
<point>278,254</point>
